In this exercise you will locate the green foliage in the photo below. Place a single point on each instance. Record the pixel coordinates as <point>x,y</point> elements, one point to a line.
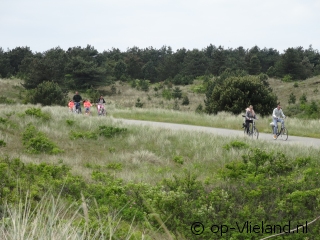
<point>113,90</point>
<point>166,93</point>
<point>235,93</point>
<point>178,159</point>
<point>177,93</point>
<point>236,144</point>
<point>287,78</point>
<point>199,109</point>
<point>109,131</point>
<point>93,94</point>
<point>303,98</point>
<point>70,122</point>
<point>295,85</point>
<point>185,100</point>
<point>139,104</point>
<point>47,93</point>
<point>201,88</point>
<point>254,67</point>
<point>292,99</point>
<point>2,143</point>
<point>5,100</point>
<point>114,166</point>
<point>37,112</point>
<point>36,142</point>
<point>83,135</point>
<point>304,110</point>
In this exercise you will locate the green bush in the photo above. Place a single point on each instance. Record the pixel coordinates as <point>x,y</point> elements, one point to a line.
<point>185,100</point>
<point>166,93</point>
<point>47,93</point>
<point>5,100</point>
<point>37,142</point>
<point>37,112</point>
<point>235,93</point>
<point>83,135</point>
<point>287,78</point>
<point>108,131</point>
<point>139,104</point>
<point>2,143</point>
<point>292,99</point>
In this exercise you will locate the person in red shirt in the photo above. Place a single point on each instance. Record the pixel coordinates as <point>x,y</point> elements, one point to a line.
<point>71,106</point>
<point>87,105</point>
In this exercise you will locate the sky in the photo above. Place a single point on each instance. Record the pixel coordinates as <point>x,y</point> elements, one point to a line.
<point>191,24</point>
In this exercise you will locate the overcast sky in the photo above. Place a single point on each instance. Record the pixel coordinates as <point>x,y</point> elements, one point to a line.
<point>105,24</point>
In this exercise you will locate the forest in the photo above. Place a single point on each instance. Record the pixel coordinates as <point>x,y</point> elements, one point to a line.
<point>82,68</point>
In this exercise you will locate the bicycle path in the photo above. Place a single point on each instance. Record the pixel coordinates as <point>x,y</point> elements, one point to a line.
<point>292,140</point>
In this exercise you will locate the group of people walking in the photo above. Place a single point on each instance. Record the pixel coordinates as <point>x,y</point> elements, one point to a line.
<point>75,104</point>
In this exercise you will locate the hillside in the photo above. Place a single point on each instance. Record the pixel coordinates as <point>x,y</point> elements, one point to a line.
<point>109,179</point>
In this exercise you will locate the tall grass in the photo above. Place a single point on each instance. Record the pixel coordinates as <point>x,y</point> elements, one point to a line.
<point>52,218</point>
<point>143,154</point>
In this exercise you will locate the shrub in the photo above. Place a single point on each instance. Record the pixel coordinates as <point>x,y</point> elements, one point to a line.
<point>236,144</point>
<point>37,142</point>
<point>139,104</point>
<point>292,99</point>
<point>235,93</point>
<point>303,98</point>
<point>287,78</point>
<point>185,100</point>
<point>36,112</point>
<point>166,94</point>
<point>84,135</point>
<point>199,109</point>
<point>178,159</point>
<point>108,131</point>
<point>2,143</point>
<point>5,100</point>
<point>177,93</point>
<point>70,122</point>
<point>47,93</point>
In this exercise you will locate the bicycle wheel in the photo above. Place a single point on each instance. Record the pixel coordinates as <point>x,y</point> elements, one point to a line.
<point>255,133</point>
<point>284,134</point>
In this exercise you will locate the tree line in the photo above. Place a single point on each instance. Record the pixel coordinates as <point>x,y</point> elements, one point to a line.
<point>83,68</point>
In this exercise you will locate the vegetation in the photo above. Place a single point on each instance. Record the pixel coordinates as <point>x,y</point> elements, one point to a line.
<point>70,176</point>
<point>136,182</point>
<point>236,93</point>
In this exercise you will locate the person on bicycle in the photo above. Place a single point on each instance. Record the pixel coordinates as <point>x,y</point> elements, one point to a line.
<point>277,116</point>
<point>100,102</point>
<point>87,105</point>
<point>77,99</point>
<point>71,105</point>
<point>250,114</point>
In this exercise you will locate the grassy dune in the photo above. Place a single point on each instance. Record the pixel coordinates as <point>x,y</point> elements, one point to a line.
<point>141,158</point>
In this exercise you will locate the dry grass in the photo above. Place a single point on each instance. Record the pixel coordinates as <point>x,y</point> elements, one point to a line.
<point>309,86</point>
<point>144,154</point>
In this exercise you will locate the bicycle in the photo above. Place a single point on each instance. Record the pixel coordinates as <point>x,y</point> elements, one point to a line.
<point>101,110</point>
<point>77,107</point>
<point>282,132</point>
<point>253,131</point>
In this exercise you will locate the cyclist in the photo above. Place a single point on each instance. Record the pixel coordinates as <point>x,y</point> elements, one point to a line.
<point>277,116</point>
<point>87,104</point>
<point>250,114</point>
<point>100,103</point>
<point>71,105</point>
<point>77,99</point>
